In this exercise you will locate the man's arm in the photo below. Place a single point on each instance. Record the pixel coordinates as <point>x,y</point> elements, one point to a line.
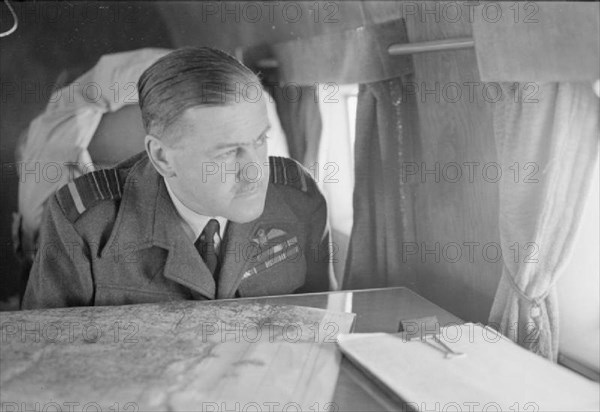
<point>61,273</point>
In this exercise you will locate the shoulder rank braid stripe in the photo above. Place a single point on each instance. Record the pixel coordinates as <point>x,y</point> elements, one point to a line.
<point>288,172</point>
<point>85,191</point>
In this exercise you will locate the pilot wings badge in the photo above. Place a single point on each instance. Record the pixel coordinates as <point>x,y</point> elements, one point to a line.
<point>263,236</point>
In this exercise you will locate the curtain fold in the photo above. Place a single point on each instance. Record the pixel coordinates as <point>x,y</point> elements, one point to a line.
<point>301,121</point>
<point>297,109</point>
<point>548,142</point>
<point>383,215</point>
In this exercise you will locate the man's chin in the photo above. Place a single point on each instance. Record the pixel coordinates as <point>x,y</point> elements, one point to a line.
<point>245,217</point>
<point>246,212</point>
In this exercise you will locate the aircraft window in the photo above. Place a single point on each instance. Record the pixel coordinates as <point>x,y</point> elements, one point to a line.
<point>579,292</point>
<point>334,171</point>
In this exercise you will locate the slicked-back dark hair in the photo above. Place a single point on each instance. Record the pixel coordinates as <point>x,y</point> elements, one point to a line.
<point>189,77</point>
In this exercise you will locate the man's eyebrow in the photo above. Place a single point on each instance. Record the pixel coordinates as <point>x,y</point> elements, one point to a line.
<point>226,145</point>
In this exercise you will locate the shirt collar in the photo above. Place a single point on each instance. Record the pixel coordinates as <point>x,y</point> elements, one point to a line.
<point>196,222</point>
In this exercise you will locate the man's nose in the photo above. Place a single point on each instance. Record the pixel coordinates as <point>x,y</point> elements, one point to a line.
<point>250,166</point>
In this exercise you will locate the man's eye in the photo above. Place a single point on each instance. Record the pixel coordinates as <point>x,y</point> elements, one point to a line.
<point>227,154</point>
<point>261,140</point>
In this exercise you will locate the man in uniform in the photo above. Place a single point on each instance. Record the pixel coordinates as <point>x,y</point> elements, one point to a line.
<point>203,213</point>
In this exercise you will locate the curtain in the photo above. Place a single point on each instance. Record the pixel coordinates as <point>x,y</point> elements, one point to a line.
<point>300,119</point>
<point>383,215</point>
<point>296,108</point>
<point>547,139</point>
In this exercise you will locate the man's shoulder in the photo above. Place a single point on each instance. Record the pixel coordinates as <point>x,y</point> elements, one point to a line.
<point>97,189</point>
<point>295,183</point>
<point>287,172</point>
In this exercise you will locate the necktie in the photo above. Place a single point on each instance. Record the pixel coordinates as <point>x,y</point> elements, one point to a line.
<point>205,244</point>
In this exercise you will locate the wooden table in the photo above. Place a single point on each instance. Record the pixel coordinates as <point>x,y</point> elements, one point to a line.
<point>377,310</point>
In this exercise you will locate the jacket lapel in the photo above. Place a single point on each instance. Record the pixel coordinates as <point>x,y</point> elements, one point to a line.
<point>235,255</point>
<point>184,264</point>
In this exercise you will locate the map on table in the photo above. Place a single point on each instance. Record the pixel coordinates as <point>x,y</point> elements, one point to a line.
<point>182,356</point>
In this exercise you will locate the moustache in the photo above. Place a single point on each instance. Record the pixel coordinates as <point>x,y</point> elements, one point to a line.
<point>248,188</point>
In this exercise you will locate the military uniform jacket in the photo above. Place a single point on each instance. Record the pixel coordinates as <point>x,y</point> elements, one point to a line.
<point>113,237</point>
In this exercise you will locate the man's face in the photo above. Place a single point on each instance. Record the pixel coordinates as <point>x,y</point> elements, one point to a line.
<point>220,160</point>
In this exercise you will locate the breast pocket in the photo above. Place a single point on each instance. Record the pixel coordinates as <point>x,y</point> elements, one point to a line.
<point>279,270</point>
<point>136,276</point>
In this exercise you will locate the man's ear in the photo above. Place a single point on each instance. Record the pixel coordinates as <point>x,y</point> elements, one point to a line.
<point>159,155</point>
